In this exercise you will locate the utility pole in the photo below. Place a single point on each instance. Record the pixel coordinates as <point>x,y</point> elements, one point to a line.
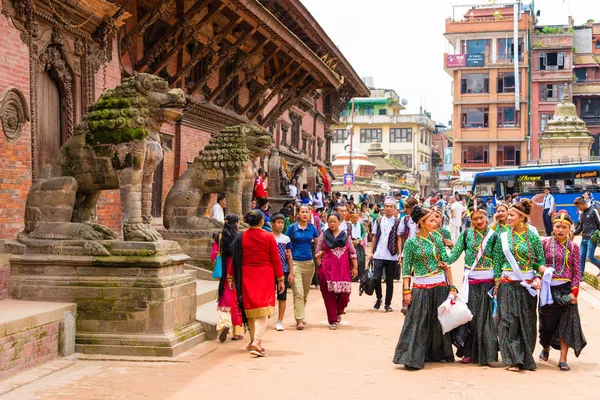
<point>350,170</point>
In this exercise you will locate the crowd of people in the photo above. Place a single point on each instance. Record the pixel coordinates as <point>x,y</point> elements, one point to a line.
<point>513,278</point>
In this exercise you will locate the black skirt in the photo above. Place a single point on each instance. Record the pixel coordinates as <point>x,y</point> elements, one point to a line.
<point>482,344</point>
<point>517,326</point>
<point>422,339</point>
<point>561,320</point>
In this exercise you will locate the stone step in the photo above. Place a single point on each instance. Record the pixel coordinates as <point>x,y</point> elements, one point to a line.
<point>30,333</point>
<point>206,291</point>
<point>198,273</point>
<point>208,316</point>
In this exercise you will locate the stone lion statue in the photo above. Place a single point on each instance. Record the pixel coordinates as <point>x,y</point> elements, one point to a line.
<point>116,146</point>
<point>226,165</point>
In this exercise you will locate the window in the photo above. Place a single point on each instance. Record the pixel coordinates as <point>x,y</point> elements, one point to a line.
<point>475,117</point>
<point>598,44</point>
<point>400,135</point>
<point>506,50</point>
<point>475,83</point>
<point>552,61</point>
<point>476,46</point>
<point>340,135</point>
<point>508,155</point>
<point>581,74</point>
<point>506,82</point>
<point>475,153</point>
<point>405,159</point>
<point>368,110</point>
<point>421,137</point>
<point>551,93</point>
<point>508,117</point>
<point>320,151</point>
<point>544,118</point>
<point>382,111</point>
<point>370,135</point>
<point>590,110</point>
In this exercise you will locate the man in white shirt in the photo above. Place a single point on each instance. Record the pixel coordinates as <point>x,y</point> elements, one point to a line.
<point>217,212</point>
<point>319,198</point>
<point>456,212</point>
<point>293,188</point>
<point>548,205</point>
<point>384,252</point>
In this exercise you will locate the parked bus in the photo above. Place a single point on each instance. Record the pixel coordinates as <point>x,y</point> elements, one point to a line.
<point>566,182</point>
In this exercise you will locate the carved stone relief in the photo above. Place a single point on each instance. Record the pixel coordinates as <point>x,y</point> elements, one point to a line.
<point>14,113</point>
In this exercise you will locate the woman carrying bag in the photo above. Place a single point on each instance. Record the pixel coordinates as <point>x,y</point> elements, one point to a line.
<point>481,246</point>
<point>422,337</point>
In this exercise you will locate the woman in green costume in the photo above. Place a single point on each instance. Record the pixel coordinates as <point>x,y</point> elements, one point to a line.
<point>442,232</point>
<point>426,261</point>
<point>517,279</point>
<point>481,246</point>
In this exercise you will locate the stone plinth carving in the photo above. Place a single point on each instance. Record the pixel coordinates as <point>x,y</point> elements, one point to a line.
<point>136,301</point>
<point>117,146</point>
<point>566,136</point>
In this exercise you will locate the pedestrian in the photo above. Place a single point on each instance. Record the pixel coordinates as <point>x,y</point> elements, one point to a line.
<point>319,198</point>
<point>489,209</point>
<point>442,231</point>
<point>384,252</point>
<point>500,224</point>
<point>302,234</point>
<point>284,247</point>
<point>336,258</point>
<point>293,188</point>
<point>560,324</point>
<point>481,247</point>
<point>400,205</point>
<point>260,185</point>
<point>589,222</point>
<point>323,218</point>
<point>230,317</point>
<point>305,196</point>
<point>456,213</point>
<point>218,210</point>
<point>256,263</point>
<point>426,260</point>
<point>263,206</point>
<point>548,208</point>
<point>359,234</point>
<point>517,279</point>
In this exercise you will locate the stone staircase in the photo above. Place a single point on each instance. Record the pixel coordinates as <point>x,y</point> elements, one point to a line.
<point>206,295</point>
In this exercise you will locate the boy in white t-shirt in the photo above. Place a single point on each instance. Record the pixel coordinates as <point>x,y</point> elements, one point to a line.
<point>284,246</point>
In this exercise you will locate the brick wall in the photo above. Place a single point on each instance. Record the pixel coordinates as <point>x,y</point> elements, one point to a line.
<point>15,175</point>
<point>27,349</point>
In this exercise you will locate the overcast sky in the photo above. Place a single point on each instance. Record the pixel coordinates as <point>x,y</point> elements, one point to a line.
<point>400,43</point>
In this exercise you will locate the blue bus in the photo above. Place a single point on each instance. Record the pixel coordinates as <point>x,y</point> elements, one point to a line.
<point>566,182</point>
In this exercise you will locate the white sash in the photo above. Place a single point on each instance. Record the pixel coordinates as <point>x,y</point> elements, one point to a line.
<point>515,265</point>
<point>465,288</point>
<point>545,294</point>
<point>429,280</point>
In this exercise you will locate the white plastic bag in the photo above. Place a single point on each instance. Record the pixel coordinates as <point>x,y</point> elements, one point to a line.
<point>453,313</point>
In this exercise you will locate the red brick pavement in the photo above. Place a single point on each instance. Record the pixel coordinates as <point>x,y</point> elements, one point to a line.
<point>353,362</point>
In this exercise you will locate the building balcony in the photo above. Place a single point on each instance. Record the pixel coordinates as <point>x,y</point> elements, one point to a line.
<point>552,41</point>
<point>388,120</point>
<point>484,25</point>
<point>453,62</point>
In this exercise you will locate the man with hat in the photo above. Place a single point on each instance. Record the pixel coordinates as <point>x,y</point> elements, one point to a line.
<point>260,186</point>
<point>384,252</point>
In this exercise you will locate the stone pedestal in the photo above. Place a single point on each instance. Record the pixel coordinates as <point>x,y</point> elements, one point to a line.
<point>566,148</point>
<point>136,301</point>
<point>277,202</point>
<point>196,244</point>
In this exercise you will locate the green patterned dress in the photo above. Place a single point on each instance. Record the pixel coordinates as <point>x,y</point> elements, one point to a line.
<point>482,345</point>
<point>517,329</point>
<point>421,339</point>
<point>443,233</point>
<point>500,228</point>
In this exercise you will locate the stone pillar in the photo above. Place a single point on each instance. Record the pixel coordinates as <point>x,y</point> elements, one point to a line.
<point>311,178</point>
<point>274,181</point>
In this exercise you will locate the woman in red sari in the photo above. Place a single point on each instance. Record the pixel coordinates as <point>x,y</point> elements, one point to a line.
<point>337,259</point>
<point>255,262</point>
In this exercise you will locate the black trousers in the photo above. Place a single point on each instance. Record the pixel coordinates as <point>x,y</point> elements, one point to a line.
<point>390,270</point>
<point>547,222</point>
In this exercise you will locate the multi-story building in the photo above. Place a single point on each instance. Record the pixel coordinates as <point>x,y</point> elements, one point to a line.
<point>407,138</point>
<point>490,124</point>
<point>551,68</point>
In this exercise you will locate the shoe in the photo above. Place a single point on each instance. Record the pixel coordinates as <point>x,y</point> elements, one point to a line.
<point>279,326</point>
<point>388,309</point>
<point>339,319</point>
<point>465,360</point>
<point>404,310</point>
<point>332,327</point>
<point>377,305</point>
<point>223,334</point>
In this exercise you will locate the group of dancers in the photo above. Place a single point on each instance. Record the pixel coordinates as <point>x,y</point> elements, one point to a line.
<point>507,267</point>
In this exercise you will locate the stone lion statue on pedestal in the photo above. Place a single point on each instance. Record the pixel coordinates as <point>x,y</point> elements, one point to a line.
<point>117,146</point>
<point>226,165</point>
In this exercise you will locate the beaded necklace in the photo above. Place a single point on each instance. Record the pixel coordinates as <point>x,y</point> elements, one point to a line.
<point>475,235</point>
<point>565,257</point>
<point>436,254</point>
<point>515,247</point>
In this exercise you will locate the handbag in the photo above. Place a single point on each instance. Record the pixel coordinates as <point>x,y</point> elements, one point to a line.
<point>217,272</point>
<point>367,281</point>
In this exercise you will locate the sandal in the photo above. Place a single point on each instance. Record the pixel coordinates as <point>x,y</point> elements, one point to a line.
<point>258,352</point>
<point>299,325</point>
<point>237,337</point>
<point>249,346</point>
<point>333,327</point>
<point>544,355</point>
<point>564,366</point>
<point>514,368</point>
<point>223,334</point>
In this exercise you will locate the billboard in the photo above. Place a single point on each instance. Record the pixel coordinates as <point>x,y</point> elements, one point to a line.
<point>476,60</point>
<point>448,159</point>
<point>456,60</point>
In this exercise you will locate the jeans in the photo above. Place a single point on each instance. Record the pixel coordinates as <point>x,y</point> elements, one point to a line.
<point>390,271</point>
<point>587,250</point>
